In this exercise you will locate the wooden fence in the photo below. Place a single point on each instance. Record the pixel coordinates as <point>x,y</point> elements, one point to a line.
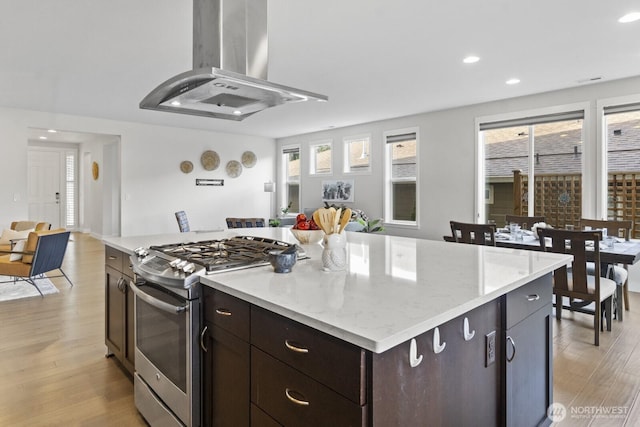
<point>559,198</point>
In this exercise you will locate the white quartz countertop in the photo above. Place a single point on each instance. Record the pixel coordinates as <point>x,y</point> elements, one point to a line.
<point>393,289</point>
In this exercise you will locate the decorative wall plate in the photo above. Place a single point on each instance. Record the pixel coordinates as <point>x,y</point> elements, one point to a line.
<point>95,171</point>
<point>210,160</point>
<point>186,166</point>
<point>248,159</point>
<point>234,169</point>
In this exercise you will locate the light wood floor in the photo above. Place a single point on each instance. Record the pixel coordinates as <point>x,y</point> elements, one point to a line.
<point>53,371</point>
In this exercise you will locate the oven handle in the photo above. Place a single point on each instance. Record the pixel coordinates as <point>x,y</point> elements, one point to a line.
<point>169,308</point>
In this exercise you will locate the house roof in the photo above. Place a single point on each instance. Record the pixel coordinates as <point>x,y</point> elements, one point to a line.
<point>559,147</point>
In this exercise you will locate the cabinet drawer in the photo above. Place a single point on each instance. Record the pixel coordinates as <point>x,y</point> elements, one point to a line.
<point>113,258</point>
<point>294,399</point>
<point>260,419</point>
<point>335,363</point>
<point>527,299</point>
<point>227,312</point>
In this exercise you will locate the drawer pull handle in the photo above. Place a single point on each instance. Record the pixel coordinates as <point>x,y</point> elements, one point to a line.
<point>223,312</point>
<point>300,402</point>
<point>533,297</point>
<point>513,345</point>
<point>111,257</point>
<point>414,359</point>
<point>293,347</point>
<point>468,335</point>
<point>202,346</point>
<point>438,347</point>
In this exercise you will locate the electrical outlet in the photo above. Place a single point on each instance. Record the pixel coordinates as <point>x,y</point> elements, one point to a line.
<point>490,347</point>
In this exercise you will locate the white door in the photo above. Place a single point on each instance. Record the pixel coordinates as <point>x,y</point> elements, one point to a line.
<point>45,186</point>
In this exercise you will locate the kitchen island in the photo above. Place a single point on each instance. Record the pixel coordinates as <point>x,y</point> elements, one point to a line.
<point>413,332</point>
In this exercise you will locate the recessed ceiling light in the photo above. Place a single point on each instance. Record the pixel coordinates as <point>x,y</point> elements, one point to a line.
<point>629,17</point>
<point>43,137</point>
<point>175,103</point>
<point>471,59</point>
<point>52,131</point>
<point>237,112</point>
<point>512,81</point>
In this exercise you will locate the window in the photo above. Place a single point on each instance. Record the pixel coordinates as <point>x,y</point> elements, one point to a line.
<point>533,166</point>
<point>320,156</point>
<point>357,154</point>
<point>291,162</point>
<point>401,159</point>
<point>622,124</point>
<point>71,186</point>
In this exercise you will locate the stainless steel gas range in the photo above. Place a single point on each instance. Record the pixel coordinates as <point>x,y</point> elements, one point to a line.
<point>167,320</point>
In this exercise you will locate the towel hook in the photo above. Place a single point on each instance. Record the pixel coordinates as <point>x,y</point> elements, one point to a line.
<point>414,359</point>
<point>438,347</point>
<point>468,335</point>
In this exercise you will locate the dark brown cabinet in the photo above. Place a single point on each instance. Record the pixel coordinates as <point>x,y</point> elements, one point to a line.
<point>265,370</point>
<point>119,324</point>
<point>528,358</point>
<point>451,382</point>
<point>226,360</point>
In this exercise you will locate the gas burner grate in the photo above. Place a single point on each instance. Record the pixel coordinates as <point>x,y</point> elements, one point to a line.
<point>227,254</point>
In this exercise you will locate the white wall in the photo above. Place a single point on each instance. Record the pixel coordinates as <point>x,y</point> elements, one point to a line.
<point>446,155</point>
<point>152,185</point>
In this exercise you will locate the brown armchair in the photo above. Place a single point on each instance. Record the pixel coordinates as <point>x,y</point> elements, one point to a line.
<point>42,252</point>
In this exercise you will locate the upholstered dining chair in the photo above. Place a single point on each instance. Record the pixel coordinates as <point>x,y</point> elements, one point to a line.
<point>183,222</point>
<point>524,221</point>
<point>42,252</point>
<point>619,273</point>
<point>477,234</point>
<point>576,284</point>
<point>245,222</point>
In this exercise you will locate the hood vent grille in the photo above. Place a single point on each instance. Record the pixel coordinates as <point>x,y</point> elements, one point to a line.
<point>230,66</point>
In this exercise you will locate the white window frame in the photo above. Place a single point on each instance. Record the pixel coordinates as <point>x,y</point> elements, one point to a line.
<point>602,149</point>
<point>346,144</point>
<point>589,155</point>
<point>313,154</point>
<point>389,181</point>
<point>284,198</point>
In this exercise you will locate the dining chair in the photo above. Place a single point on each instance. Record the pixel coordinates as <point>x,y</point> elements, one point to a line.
<point>476,234</point>
<point>575,283</point>
<point>524,221</point>
<point>183,222</point>
<point>245,222</point>
<point>619,273</point>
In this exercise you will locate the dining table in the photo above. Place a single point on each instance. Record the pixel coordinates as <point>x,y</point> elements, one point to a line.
<point>621,252</point>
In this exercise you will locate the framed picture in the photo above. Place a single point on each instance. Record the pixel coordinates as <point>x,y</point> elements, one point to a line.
<point>337,190</point>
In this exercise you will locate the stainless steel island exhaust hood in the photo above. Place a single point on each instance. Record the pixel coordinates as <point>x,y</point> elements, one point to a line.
<point>230,62</point>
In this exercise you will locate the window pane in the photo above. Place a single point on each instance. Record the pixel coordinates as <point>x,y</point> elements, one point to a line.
<point>357,154</point>
<point>320,159</point>
<point>403,159</point>
<point>292,179</point>
<point>557,171</point>
<point>404,201</point>
<point>623,167</point>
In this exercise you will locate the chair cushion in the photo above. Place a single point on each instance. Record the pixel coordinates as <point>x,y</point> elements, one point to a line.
<point>23,225</point>
<point>9,235</point>
<point>13,268</point>
<point>607,286</point>
<point>619,273</point>
<point>19,247</point>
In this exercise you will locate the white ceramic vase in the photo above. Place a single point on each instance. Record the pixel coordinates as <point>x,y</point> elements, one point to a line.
<point>334,254</point>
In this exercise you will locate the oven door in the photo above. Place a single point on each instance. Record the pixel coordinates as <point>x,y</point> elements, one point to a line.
<point>164,353</point>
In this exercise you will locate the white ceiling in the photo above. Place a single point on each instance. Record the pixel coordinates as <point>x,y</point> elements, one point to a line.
<point>375,59</point>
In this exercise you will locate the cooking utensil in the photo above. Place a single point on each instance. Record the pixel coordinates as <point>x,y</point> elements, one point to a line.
<point>346,216</point>
<point>336,220</point>
<point>325,219</point>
